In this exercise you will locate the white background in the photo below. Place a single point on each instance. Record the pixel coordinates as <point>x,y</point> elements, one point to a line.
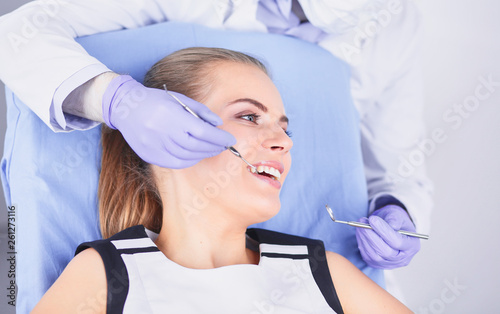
<point>458,269</point>
<point>461,44</point>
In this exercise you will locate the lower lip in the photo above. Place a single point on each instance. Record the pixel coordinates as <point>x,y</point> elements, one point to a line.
<point>274,183</point>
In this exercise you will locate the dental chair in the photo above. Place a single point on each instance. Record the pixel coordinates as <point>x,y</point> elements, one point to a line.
<point>51,178</point>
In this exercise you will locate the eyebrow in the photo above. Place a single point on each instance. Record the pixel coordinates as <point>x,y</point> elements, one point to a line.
<point>259,105</point>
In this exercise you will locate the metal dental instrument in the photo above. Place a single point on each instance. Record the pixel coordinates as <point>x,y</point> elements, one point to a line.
<point>367,226</point>
<point>237,154</point>
<point>230,148</point>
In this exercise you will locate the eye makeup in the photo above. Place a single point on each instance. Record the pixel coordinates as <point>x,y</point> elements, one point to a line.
<point>256,117</point>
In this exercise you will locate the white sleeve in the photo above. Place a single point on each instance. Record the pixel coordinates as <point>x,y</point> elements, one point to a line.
<point>387,90</point>
<point>38,52</point>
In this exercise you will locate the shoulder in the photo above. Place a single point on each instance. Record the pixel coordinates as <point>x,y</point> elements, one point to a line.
<point>341,269</point>
<point>337,260</point>
<point>344,274</point>
<point>357,292</point>
<point>87,267</point>
<point>81,286</point>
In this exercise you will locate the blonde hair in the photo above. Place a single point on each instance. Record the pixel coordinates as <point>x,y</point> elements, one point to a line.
<point>127,191</point>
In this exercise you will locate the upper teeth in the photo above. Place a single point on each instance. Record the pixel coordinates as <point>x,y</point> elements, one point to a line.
<point>269,170</point>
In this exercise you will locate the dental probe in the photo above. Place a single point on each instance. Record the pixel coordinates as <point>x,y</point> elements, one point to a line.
<point>367,226</point>
<point>230,148</point>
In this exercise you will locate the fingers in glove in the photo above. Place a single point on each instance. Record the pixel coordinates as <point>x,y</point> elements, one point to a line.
<point>394,221</point>
<point>176,151</point>
<point>372,257</point>
<point>369,255</point>
<point>201,110</point>
<point>373,242</point>
<point>394,239</point>
<point>396,217</point>
<point>162,158</point>
<point>208,133</point>
<point>187,142</point>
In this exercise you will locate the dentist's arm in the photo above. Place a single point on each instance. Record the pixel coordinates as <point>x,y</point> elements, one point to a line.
<point>65,86</point>
<point>86,100</point>
<point>155,126</point>
<point>42,63</point>
<point>392,130</point>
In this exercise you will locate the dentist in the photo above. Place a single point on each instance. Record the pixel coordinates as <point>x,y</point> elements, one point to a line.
<point>70,90</point>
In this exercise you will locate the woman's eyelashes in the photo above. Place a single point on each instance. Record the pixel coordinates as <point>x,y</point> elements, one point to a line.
<point>254,118</point>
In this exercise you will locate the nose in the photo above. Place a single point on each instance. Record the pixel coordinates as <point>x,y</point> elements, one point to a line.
<point>277,140</point>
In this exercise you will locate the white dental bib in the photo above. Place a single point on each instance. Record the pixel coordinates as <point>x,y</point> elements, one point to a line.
<point>141,279</point>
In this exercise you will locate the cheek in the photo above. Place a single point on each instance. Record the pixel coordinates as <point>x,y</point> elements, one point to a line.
<point>247,138</point>
<point>225,169</point>
<point>216,163</point>
<point>236,130</point>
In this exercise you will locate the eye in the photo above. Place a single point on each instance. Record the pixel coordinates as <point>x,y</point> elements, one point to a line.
<point>252,117</point>
<point>288,133</point>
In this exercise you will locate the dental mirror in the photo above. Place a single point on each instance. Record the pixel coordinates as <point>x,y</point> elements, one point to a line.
<point>367,226</point>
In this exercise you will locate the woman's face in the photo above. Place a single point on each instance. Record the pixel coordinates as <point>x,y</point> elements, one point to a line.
<point>252,110</point>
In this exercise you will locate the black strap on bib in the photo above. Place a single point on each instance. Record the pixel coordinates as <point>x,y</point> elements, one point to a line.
<point>116,271</point>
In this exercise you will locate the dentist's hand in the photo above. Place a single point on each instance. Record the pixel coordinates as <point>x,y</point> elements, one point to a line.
<point>158,128</point>
<point>384,247</point>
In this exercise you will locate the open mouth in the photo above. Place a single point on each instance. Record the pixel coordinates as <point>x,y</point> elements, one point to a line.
<point>266,171</point>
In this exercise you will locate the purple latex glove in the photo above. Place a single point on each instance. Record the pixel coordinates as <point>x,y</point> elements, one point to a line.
<point>384,247</point>
<point>158,128</point>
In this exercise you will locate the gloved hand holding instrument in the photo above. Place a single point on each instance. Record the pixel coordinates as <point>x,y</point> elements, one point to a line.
<point>386,239</point>
<point>159,130</point>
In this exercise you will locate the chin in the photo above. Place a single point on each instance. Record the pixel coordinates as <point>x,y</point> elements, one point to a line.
<point>264,210</point>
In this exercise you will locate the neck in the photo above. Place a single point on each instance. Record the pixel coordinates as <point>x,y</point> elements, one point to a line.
<point>202,240</point>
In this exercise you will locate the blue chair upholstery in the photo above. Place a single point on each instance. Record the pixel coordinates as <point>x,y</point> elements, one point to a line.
<point>52,178</point>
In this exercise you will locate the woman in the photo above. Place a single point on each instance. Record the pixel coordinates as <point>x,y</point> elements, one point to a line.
<point>203,258</point>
